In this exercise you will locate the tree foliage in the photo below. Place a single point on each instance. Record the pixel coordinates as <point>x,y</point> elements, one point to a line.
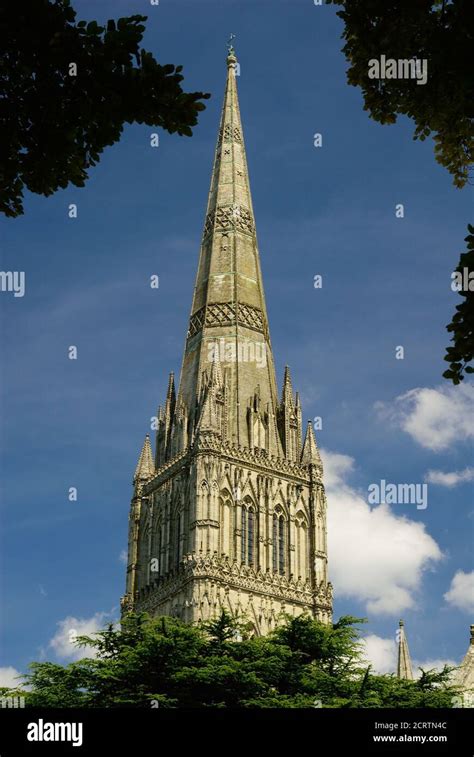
<point>55,120</point>
<point>443,34</point>
<point>462,324</point>
<point>164,662</point>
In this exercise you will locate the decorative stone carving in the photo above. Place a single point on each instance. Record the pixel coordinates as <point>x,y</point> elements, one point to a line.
<point>229,134</point>
<point>227,314</point>
<point>225,217</point>
<point>228,447</point>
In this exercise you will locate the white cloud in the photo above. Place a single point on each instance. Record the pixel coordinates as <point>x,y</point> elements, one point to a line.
<point>123,557</point>
<point>434,418</point>
<point>449,479</point>
<point>8,677</point>
<point>382,653</point>
<point>435,664</point>
<point>375,556</point>
<point>336,468</point>
<point>461,591</point>
<point>63,641</point>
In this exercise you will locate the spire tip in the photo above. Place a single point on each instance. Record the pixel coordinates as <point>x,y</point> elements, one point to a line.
<point>231,56</point>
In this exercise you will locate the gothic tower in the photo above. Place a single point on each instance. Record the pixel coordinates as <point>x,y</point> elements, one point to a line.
<point>404,669</point>
<point>231,511</point>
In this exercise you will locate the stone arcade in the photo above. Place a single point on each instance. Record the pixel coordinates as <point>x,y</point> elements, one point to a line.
<point>231,511</point>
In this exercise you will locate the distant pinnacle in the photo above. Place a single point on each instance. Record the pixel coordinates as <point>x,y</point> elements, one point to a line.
<point>404,669</point>
<point>310,453</point>
<point>145,467</point>
<point>230,50</point>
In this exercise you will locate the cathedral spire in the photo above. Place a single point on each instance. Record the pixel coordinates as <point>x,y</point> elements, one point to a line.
<point>145,467</point>
<point>233,495</point>
<point>287,390</point>
<point>170,397</point>
<point>310,454</point>
<point>404,669</point>
<point>464,675</point>
<point>228,312</point>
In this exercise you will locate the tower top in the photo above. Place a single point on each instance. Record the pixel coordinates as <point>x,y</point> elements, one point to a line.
<point>228,313</point>
<point>145,467</point>
<point>404,669</point>
<point>231,56</point>
<point>310,454</point>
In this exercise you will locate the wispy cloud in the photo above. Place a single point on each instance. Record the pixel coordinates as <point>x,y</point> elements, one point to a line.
<point>63,641</point>
<point>434,418</point>
<point>461,591</point>
<point>450,479</point>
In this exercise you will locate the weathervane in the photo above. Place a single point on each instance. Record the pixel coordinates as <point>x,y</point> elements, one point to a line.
<point>230,46</point>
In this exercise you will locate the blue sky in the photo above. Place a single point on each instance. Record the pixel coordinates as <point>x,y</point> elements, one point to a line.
<point>328,211</point>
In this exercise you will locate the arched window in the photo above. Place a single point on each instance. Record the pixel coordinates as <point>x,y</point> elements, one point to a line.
<point>275,542</point>
<point>244,534</point>
<point>162,549</point>
<point>179,537</point>
<point>301,548</point>
<point>248,538</point>
<point>279,542</point>
<point>226,532</point>
<point>144,557</point>
<point>156,553</point>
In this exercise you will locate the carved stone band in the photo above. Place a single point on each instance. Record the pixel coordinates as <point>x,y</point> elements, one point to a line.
<point>224,218</point>
<point>227,314</point>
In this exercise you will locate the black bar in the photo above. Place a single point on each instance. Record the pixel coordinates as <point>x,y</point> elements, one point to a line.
<point>159,731</point>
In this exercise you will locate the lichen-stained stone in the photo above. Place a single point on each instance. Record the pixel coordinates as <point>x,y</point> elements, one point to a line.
<point>231,512</point>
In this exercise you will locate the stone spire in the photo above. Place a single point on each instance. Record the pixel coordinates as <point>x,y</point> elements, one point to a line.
<point>233,493</point>
<point>404,662</point>
<point>464,675</point>
<point>145,467</point>
<point>165,424</point>
<point>228,312</point>
<point>310,453</point>
<point>287,391</point>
